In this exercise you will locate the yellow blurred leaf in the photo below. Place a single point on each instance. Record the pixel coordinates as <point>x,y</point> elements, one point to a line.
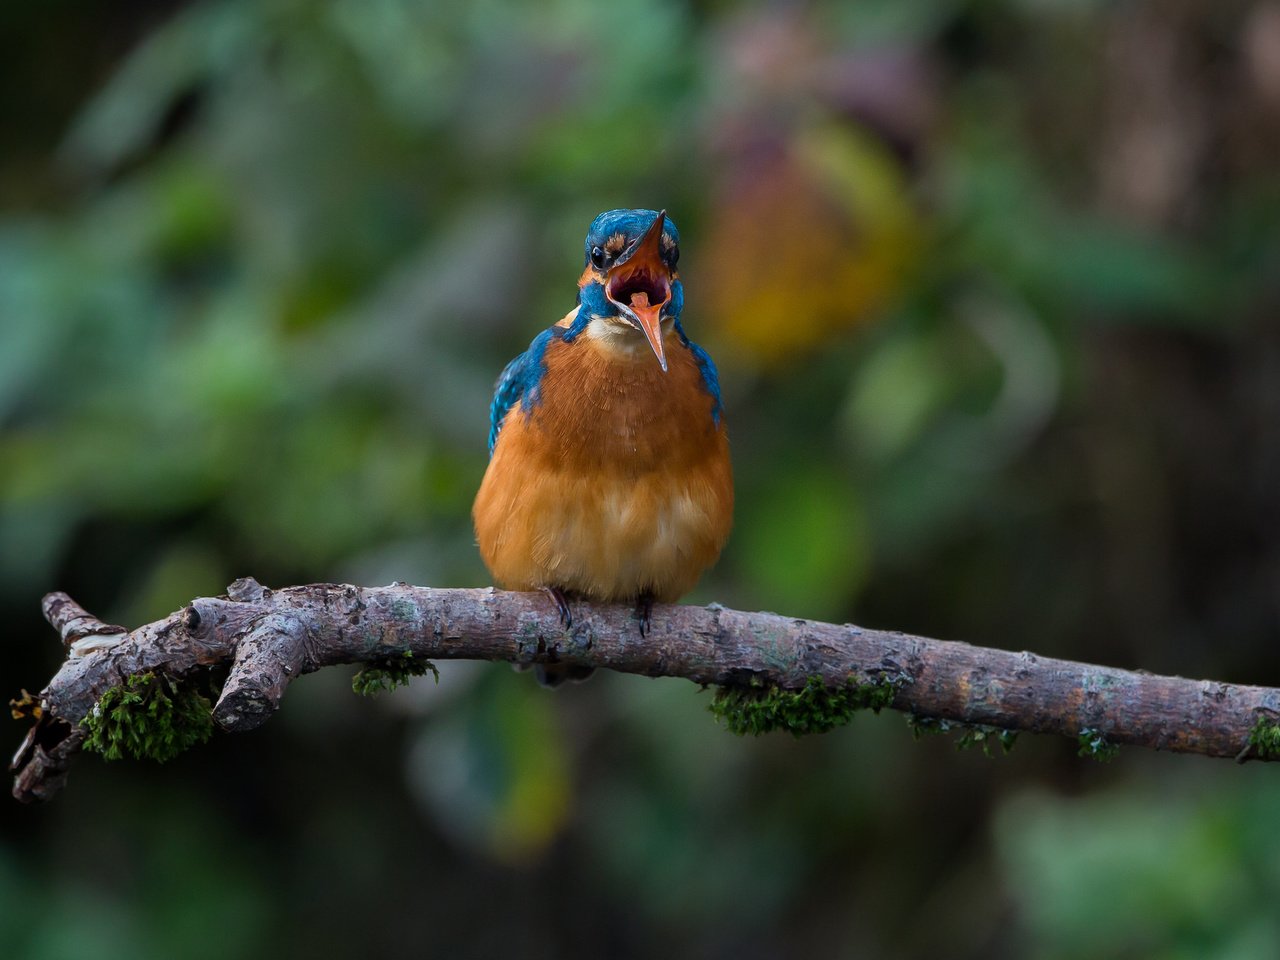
<point>809,243</point>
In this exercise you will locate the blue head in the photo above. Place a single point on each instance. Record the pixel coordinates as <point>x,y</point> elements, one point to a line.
<point>629,282</point>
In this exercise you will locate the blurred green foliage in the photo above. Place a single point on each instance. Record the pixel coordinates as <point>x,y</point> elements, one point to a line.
<point>1135,873</point>
<point>992,287</point>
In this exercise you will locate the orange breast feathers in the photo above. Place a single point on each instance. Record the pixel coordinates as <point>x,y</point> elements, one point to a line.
<point>616,481</point>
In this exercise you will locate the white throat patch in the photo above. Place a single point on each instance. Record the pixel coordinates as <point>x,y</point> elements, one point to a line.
<point>620,338</point>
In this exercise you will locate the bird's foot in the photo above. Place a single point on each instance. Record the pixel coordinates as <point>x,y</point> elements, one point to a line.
<point>644,608</point>
<point>554,674</point>
<point>562,605</point>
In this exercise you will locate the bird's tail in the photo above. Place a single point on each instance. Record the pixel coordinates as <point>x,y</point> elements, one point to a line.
<point>554,674</point>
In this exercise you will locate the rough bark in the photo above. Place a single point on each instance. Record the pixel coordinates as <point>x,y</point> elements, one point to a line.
<point>266,638</point>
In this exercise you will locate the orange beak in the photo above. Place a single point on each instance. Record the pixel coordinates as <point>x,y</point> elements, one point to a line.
<point>639,285</point>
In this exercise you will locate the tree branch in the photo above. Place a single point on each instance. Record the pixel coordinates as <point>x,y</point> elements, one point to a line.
<point>266,638</point>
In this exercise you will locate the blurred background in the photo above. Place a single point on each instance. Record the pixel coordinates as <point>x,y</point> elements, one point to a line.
<point>993,288</point>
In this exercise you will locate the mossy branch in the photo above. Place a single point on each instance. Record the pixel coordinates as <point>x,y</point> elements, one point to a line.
<point>136,692</point>
<point>383,676</point>
<point>148,717</point>
<point>814,708</point>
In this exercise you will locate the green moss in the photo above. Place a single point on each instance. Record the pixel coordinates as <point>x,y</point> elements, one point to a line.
<point>814,708</point>
<point>1093,744</point>
<point>930,726</point>
<point>1265,739</point>
<point>384,675</point>
<point>986,736</point>
<point>149,717</point>
<point>969,735</point>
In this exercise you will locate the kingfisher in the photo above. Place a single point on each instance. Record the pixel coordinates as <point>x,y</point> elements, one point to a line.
<point>609,476</point>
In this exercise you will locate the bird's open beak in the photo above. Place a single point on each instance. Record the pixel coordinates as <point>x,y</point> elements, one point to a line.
<point>639,285</point>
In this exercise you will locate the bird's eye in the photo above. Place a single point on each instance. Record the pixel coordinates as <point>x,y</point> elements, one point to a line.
<point>598,257</point>
<point>671,256</point>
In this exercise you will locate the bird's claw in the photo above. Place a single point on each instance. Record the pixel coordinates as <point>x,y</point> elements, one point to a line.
<point>562,605</point>
<point>644,608</point>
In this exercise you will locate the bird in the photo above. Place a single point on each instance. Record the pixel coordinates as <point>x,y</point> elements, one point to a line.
<point>609,475</point>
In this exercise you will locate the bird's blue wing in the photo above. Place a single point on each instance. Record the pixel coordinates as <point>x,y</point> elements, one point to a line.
<point>519,382</point>
<point>710,376</point>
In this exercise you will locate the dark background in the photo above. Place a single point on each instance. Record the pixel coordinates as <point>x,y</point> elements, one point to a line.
<point>993,288</point>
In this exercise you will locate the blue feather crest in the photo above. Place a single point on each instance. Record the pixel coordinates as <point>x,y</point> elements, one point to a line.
<point>630,223</point>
